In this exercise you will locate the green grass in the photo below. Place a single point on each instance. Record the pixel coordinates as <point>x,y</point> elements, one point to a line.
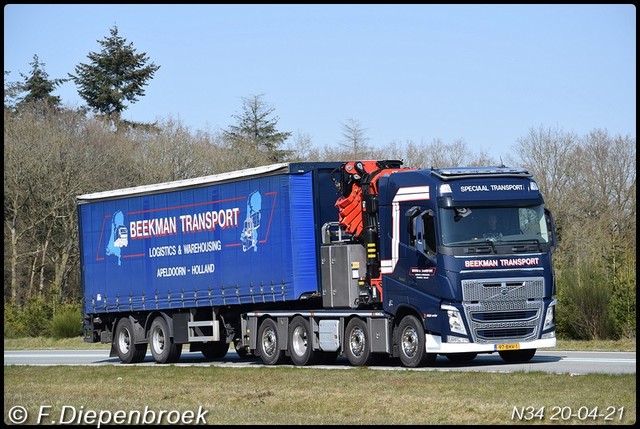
<point>628,345</point>
<point>49,343</point>
<point>285,395</point>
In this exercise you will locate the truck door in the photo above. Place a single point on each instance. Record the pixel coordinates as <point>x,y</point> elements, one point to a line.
<point>414,273</point>
<point>421,247</point>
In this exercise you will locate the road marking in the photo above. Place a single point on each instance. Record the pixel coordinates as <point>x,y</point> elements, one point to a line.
<point>577,359</point>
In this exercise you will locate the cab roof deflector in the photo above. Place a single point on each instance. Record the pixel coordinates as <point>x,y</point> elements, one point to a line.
<point>478,172</point>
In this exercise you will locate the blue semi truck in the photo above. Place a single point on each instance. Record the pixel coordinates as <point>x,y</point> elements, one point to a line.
<point>305,262</point>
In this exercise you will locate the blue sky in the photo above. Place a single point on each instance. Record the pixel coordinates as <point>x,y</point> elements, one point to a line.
<point>483,74</point>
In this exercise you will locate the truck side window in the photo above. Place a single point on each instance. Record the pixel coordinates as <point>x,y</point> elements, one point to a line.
<point>422,230</point>
<point>412,215</point>
<point>429,232</point>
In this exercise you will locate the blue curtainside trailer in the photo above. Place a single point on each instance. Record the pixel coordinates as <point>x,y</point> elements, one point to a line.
<point>212,243</point>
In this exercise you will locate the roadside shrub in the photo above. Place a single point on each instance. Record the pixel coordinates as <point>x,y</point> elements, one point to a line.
<point>32,320</point>
<point>622,305</point>
<point>583,301</point>
<point>13,327</point>
<point>67,322</point>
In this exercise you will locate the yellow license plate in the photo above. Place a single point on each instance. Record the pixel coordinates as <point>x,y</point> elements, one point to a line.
<point>502,347</point>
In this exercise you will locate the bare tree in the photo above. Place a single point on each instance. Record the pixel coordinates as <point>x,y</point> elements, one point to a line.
<point>12,91</point>
<point>49,160</point>
<point>355,140</point>
<point>301,148</point>
<point>438,154</point>
<point>589,184</point>
<point>607,178</point>
<point>549,154</point>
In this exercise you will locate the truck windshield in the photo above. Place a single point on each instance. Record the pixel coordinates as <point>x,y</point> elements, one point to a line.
<point>479,224</point>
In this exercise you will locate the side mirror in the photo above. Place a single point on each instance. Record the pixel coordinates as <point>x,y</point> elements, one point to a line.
<point>553,239</point>
<point>418,218</point>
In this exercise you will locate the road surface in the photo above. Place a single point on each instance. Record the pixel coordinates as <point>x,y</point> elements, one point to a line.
<point>551,361</point>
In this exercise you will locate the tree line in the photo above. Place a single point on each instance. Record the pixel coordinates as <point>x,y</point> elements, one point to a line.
<point>53,154</point>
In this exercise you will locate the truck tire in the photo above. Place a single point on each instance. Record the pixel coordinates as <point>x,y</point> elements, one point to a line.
<point>301,343</point>
<point>517,356</point>
<point>215,350</point>
<point>242,351</point>
<point>269,343</point>
<point>128,351</point>
<point>411,343</point>
<point>356,345</point>
<point>328,358</point>
<point>163,349</point>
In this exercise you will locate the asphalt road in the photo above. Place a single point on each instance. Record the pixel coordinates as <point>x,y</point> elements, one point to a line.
<point>548,360</point>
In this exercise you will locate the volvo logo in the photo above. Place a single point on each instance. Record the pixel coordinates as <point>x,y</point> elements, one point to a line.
<point>503,290</point>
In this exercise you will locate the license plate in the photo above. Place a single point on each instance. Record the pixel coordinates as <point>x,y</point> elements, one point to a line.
<point>501,347</point>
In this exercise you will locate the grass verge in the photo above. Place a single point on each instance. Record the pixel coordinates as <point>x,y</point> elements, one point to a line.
<point>303,396</point>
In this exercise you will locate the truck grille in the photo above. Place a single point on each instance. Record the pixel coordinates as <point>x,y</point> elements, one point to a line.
<point>503,310</point>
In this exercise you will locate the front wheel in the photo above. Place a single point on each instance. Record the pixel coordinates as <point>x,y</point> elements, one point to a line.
<point>128,351</point>
<point>357,346</point>
<point>517,356</point>
<point>163,349</point>
<point>411,343</point>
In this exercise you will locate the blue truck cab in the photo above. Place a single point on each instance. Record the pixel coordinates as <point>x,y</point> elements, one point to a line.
<point>470,250</point>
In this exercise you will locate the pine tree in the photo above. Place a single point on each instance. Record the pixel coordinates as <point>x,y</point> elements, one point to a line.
<point>115,76</point>
<point>255,128</point>
<point>38,87</point>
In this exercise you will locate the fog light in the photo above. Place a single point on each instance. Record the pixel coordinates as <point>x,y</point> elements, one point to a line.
<point>452,339</point>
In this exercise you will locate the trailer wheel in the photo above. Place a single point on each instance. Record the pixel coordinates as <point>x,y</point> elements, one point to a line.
<point>269,343</point>
<point>412,343</point>
<point>517,356</point>
<point>357,343</point>
<point>128,351</point>
<point>216,350</point>
<point>163,349</point>
<point>300,342</point>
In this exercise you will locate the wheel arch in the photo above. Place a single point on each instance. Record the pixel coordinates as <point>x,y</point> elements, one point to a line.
<point>282,329</point>
<point>406,310</point>
<point>139,330</point>
<point>152,316</point>
<point>402,312</point>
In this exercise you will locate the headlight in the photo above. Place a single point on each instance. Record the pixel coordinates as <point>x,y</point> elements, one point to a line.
<point>456,323</point>
<point>549,319</point>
